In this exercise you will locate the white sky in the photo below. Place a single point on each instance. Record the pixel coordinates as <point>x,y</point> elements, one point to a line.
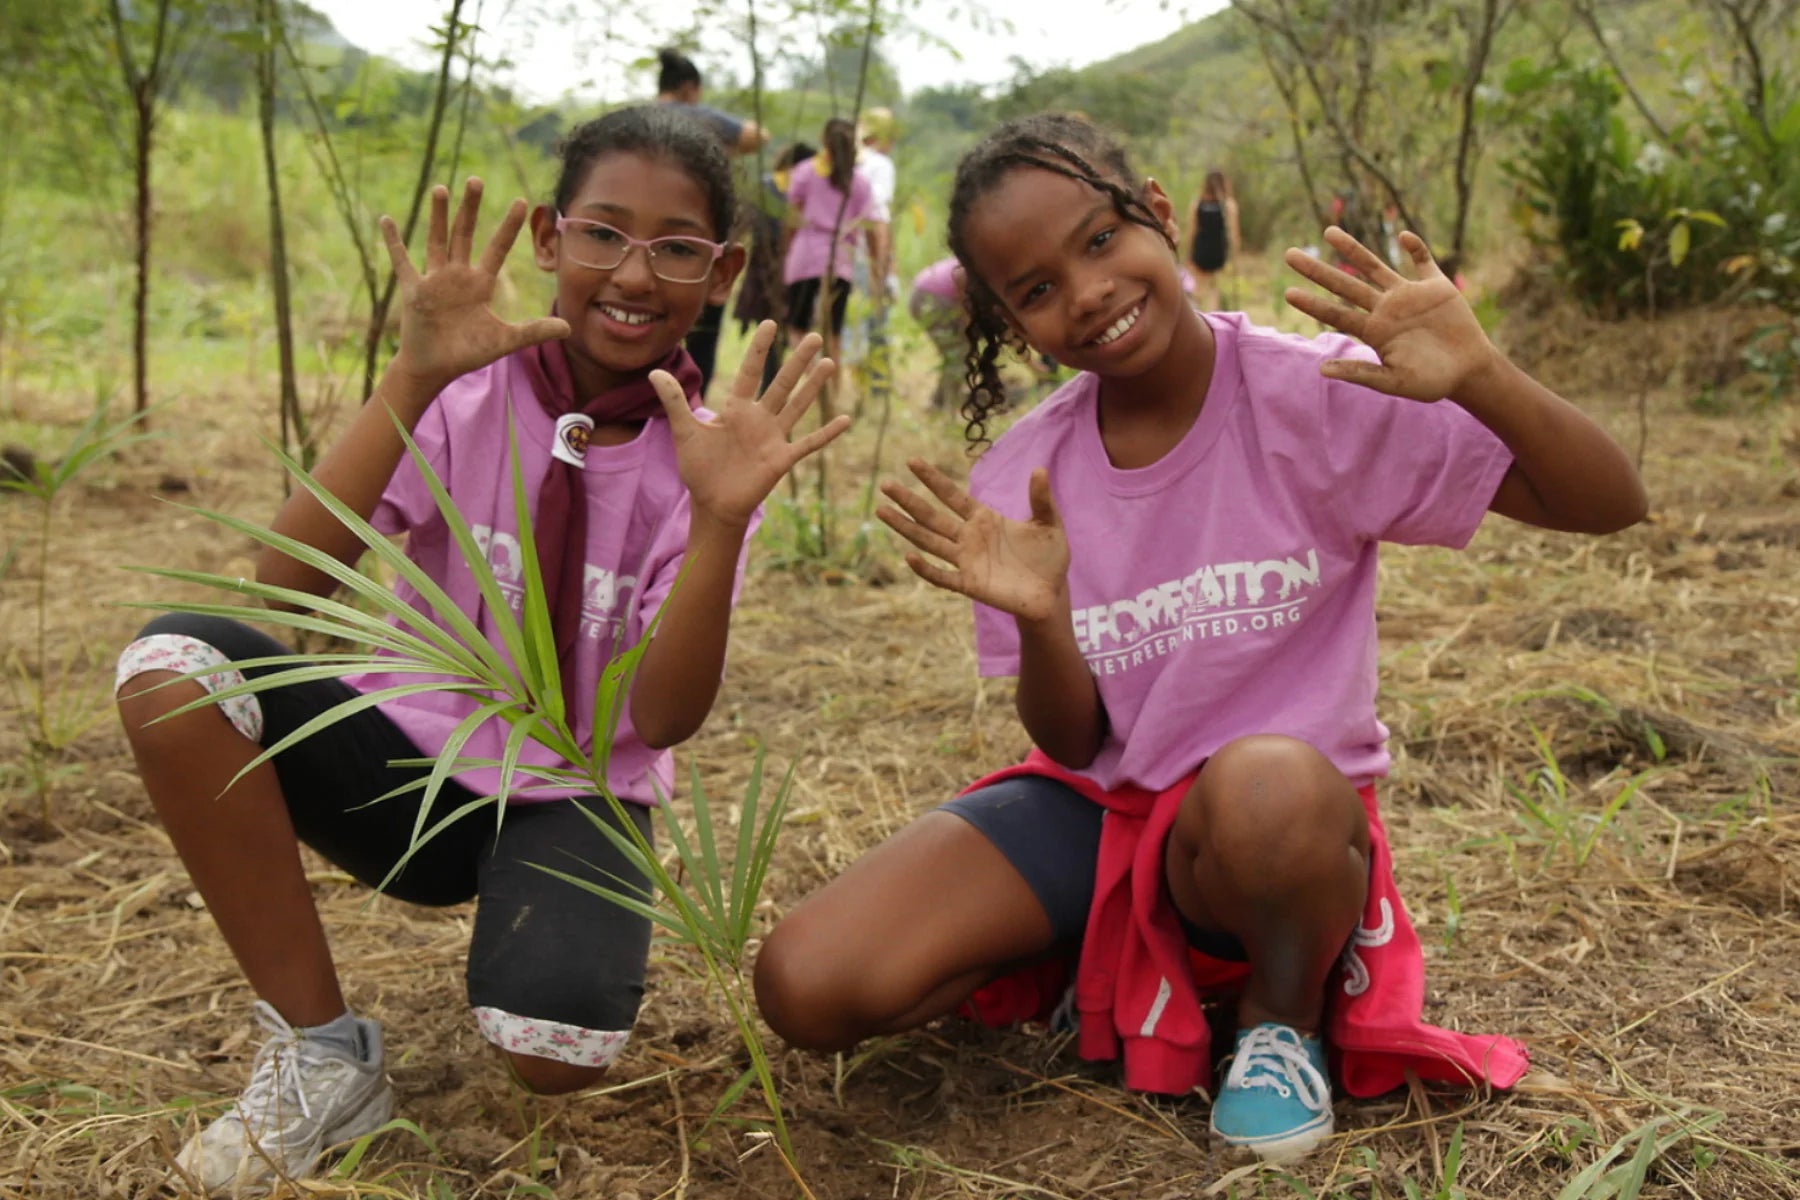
<point>551,59</point>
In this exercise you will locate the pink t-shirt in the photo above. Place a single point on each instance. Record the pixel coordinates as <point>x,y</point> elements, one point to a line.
<point>637,529</point>
<point>1229,588</point>
<point>939,279</point>
<point>816,203</point>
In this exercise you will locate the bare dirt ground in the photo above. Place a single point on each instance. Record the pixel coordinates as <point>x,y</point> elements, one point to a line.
<point>1635,923</point>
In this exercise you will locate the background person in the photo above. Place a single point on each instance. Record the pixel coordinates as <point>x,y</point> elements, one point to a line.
<point>875,162</point>
<point>937,305</point>
<point>761,295</point>
<point>826,194</point>
<point>678,85</point>
<point>1215,238</point>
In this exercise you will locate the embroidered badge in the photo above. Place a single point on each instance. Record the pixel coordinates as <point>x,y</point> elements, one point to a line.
<point>572,430</point>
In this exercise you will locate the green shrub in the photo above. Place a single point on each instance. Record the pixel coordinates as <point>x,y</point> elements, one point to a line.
<point>1593,185</point>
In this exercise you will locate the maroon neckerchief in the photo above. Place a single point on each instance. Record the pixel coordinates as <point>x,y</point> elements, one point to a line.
<point>561,518</point>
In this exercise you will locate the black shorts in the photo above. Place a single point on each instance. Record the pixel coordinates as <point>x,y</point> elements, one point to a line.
<point>803,299</point>
<point>1050,833</point>
<point>543,950</point>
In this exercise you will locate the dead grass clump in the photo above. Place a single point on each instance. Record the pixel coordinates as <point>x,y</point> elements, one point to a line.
<point>1602,628</point>
<point>1580,354</point>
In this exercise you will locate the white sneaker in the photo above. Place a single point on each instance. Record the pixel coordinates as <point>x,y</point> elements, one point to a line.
<point>299,1101</point>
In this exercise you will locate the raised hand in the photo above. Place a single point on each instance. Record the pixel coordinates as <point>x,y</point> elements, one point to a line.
<point>1019,567</point>
<point>731,463</point>
<point>446,326</point>
<point>1430,344</point>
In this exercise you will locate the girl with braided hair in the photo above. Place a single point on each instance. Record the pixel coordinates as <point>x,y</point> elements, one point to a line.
<point>1176,556</point>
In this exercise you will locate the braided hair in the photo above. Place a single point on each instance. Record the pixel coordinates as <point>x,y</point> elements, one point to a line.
<point>1066,145</point>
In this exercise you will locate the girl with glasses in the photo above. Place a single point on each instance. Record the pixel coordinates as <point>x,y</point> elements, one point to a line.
<point>630,483</point>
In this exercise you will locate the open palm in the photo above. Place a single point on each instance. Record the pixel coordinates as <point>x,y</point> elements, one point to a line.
<point>1425,333</point>
<point>447,328</point>
<point>1018,567</point>
<point>732,462</point>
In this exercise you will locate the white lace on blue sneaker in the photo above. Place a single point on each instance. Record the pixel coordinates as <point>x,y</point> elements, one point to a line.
<point>1276,1098</point>
<point>299,1100</point>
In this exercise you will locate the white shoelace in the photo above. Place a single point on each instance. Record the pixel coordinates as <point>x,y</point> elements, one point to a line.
<point>275,1079</point>
<point>1272,1056</point>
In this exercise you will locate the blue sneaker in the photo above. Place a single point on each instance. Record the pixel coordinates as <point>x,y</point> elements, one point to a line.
<point>1276,1098</point>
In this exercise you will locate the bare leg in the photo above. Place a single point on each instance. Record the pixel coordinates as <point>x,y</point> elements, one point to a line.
<point>903,936</point>
<point>1272,845</point>
<point>238,847</point>
<point>1206,290</point>
<point>549,1076</point>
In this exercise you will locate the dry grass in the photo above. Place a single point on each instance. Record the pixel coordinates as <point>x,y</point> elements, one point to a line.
<point>1648,959</point>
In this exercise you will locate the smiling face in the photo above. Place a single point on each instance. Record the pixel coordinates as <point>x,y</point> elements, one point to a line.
<point>626,320</point>
<point>1079,282</point>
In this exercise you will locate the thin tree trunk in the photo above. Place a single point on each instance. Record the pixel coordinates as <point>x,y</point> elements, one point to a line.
<point>828,282</point>
<point>143,86</point>
<point>1493,15</point>
<point>323,149</point>
<point>1344,133</point>
<point>293,421</point>
<point>468,93</point>
<point>1284,84</point>
<point>1585,11</point>
<point>145,109</point>
<point>379,310</point>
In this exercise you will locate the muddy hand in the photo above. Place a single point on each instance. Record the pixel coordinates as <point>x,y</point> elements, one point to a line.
<point>731,463</point>
<point>447,328</point>
<point>1425,333</point>
<point>1019,567</point>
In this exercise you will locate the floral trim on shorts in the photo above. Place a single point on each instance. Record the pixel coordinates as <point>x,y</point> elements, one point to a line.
<point>183,654</point>
<point>551,1039</point>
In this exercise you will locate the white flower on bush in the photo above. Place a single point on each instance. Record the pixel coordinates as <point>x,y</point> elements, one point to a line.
<point>1774,223</point>
<point>1651,159</point>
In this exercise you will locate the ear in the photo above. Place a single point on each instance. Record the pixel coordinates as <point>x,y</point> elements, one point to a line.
<point>1164,208</point>
<point>543,237</point>
<point>725,273</point>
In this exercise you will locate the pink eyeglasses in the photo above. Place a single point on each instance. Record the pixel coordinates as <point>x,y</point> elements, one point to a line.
<point>675,259</point>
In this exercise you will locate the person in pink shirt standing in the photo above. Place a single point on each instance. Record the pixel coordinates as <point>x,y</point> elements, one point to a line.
<point>630,483</point>
<point>1176,556</point>
<point>937,305</point>
<point>828,194</point>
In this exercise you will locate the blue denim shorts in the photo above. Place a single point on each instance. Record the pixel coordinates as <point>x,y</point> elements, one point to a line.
<point>1050,833</point>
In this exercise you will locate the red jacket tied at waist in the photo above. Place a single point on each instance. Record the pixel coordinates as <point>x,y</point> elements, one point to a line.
<point>1138,985</point>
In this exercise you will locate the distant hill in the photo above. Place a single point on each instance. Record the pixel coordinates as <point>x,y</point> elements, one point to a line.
<point>313,27</point>
<point>1223,35</point>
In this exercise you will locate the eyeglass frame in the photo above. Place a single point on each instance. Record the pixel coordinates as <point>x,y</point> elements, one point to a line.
<point>649,244</point>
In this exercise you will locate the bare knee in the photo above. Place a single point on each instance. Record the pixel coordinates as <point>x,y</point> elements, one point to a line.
<point>818,988</point>
<point>144,699</point>
<point>1268,799</point>
<point>797,990</point>
<point>548,1077</point>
